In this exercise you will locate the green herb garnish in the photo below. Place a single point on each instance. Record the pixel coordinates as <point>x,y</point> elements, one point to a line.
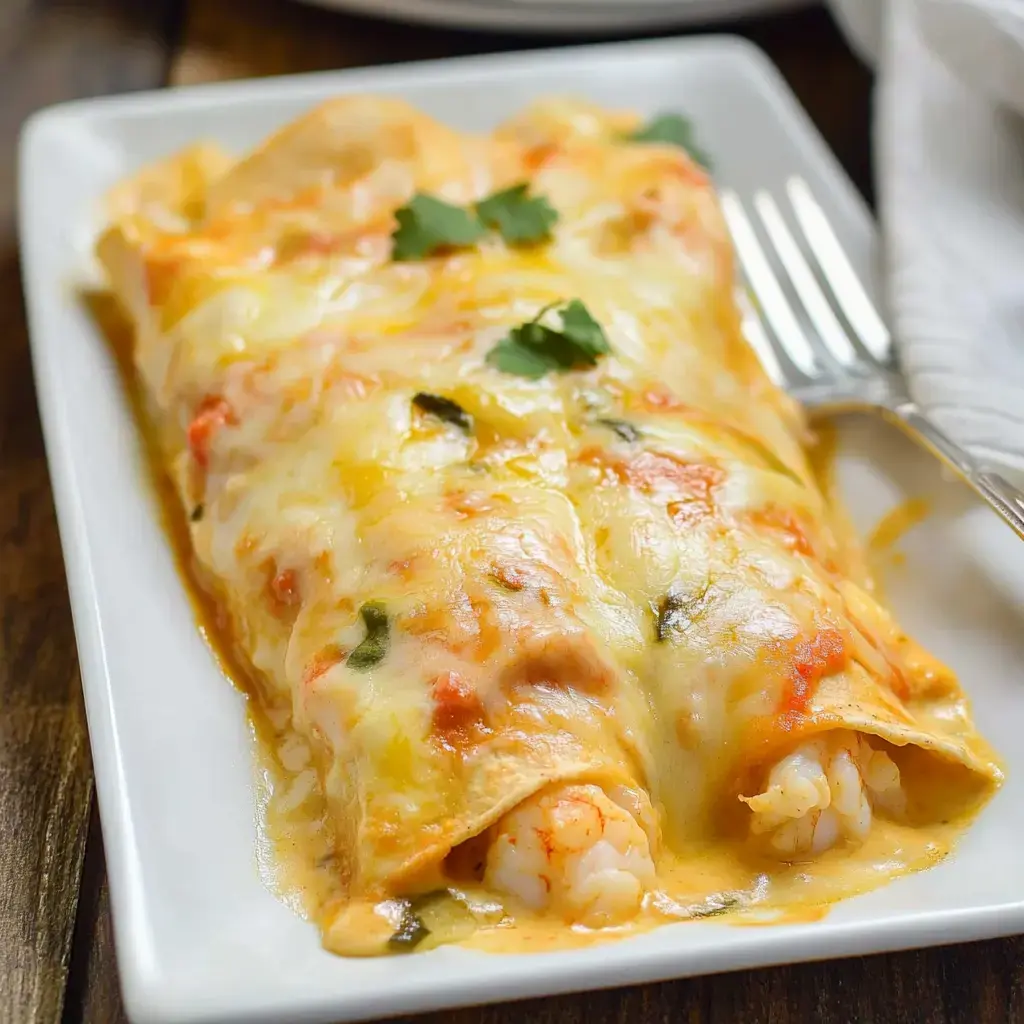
<point>676,612</point>
<point>520,354</point>
<point>374,645</point>
<point>673,130</point>
<point>521,218</point>
<point>534,349</point>
<point>432,919</point>
<point>444,409</point>
<point>624,430</point>
<point>411,931</point>
<point>427,224</point>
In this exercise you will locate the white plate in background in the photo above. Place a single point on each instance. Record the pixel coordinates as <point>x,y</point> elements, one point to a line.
<point>198,937</point>
<point>537,16</point>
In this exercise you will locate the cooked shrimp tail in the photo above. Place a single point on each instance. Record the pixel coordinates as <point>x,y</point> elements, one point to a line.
<point>825,792</point>
<point>575,851</point>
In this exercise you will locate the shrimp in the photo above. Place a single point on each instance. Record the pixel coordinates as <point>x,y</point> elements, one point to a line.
<point>823,792</point>
<point>578,851</point>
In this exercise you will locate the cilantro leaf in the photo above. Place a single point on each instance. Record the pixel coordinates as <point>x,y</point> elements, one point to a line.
<point>512,355</point>
<point>584,331</point>
<point>673,130</point>
<point>521,218</point>
<point>533,349</point>
<point>427,224</point>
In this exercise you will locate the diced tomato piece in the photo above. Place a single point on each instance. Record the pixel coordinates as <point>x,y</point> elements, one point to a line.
<point>457,703</point>
<point>213,413</point>
<point>822,655</point>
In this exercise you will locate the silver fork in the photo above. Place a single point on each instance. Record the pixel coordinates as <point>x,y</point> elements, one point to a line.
<point>834,368</point>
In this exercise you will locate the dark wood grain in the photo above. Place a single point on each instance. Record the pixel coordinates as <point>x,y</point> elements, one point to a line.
<point>48,52</point>
<point>979,984</point>
<point>93,995</point>
<point>976,984</point>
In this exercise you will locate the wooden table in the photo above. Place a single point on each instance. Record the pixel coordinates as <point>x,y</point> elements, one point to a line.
<point>56,957</point>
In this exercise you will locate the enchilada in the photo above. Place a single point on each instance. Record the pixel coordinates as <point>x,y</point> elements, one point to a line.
<point>521,551</point>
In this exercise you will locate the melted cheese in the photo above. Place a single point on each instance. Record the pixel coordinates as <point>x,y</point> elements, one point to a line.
<point>665,606</point>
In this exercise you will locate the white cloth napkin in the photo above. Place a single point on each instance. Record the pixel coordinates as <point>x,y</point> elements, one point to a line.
<point>949,141</point>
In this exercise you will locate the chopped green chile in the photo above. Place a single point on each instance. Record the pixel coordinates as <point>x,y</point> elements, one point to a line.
<point>433,919</point>
<point>624,430</point>
<point>676,612</point>
<point>444,409</point>
<point>374,646</point>
<point>411,931</point>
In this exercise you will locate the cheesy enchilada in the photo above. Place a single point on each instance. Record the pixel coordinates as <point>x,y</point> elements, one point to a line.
<point>515,540</point>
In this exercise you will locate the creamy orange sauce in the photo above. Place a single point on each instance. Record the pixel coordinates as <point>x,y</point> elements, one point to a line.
<point>882,552</point>
<point>295,842</point>
<point>900,519</point>
<point>768,892</point>
<point>872,558</point>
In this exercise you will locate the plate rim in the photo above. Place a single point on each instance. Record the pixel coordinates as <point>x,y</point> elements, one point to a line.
<point>308,84</point>
<point>562,16</point>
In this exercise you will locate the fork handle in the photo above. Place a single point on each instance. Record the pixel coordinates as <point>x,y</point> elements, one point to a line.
<point>1006,499</point>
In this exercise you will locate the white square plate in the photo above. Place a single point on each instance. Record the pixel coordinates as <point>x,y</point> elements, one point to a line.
<point>199,938</point>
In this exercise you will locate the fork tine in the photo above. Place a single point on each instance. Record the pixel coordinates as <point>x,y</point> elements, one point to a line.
<point>789,336</point>
<point>841,277</point>
<point>754,332</point>
<point>803,281</point>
